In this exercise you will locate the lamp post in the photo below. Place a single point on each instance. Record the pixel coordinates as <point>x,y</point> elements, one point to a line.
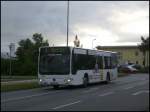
<point>67,20</point>
<point>92,43</point>
<point>12,54</point>
<point>10,48</point>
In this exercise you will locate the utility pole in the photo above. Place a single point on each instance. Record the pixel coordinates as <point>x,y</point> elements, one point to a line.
<point>12,52</point>
<point>67,20</point>
<point>10,47</point>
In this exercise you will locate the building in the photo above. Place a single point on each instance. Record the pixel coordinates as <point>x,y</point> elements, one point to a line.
<point>128,54</point>
<point>11,54</point>
<point>12,50</point>
<point>5,55</point>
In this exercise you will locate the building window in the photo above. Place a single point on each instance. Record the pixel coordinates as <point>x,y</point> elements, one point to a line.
<point>136,53</point>
<point>119,55</point>
<point>144,63</point>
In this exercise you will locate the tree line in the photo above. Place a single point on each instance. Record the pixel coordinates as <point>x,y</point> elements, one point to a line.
<point>144,47</point>
<point>26,62</point>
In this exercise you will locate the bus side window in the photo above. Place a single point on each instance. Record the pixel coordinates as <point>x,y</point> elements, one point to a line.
<point>111,64</point>
<point>79,62</point>
<point>100,62</point>
<point>74,63</point>
<point>105,62</point>
<point>90,61</point>
<point>114,61</point>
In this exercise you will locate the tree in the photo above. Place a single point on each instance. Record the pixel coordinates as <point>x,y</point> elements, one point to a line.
<point>27,54</point>
<point>38,42</point>
<point>144,46</point>
<point>5,66</point>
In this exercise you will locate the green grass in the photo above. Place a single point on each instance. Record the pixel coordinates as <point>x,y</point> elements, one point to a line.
<point>13,78</point>
<point>19,86</point>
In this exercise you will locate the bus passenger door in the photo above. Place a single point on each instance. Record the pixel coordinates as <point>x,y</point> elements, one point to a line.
<point>101,67</point>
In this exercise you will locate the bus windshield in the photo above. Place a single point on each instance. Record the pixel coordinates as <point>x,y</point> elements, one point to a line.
<point>54,61</point>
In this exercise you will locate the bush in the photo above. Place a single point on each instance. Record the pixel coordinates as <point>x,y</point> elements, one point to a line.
<point>144,70</point>
<point>19,86</point>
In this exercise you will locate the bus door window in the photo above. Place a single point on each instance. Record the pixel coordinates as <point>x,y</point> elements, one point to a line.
<point>106,62</point>
<point>109,63</point>
<point>114,60</point>
<point>96,65</point>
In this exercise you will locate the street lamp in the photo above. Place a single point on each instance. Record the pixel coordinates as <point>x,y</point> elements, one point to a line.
<point>11,54</point>
<point>92,43</point>
<point>10,48</point>
<point>67,20</point>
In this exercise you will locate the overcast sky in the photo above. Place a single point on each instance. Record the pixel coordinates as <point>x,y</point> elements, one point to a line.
<point>109,22</point>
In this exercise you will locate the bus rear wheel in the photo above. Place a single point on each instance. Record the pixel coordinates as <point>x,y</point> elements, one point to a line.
<point>107,78</point>
<point>85,82</point>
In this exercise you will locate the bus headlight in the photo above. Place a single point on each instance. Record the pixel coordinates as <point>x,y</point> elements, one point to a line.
<point>68,80</point>
<point>40,80</point>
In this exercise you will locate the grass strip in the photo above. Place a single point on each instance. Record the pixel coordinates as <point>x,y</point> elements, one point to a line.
<point>16,78</point>
<point>19,86</point>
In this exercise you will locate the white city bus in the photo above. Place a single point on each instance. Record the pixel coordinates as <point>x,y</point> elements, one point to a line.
<point>75,66</point>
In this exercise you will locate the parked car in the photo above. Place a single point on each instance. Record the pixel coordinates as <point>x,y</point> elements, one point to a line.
<point>127,68</point>
<point>137,66</point>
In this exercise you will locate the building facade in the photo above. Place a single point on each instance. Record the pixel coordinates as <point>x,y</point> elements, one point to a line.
<point>128,54</point>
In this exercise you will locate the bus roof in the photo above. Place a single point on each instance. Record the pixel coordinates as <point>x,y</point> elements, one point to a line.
<point>80,48</point>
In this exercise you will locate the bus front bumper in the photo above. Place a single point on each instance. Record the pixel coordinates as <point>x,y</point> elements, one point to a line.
<point>48,83</point>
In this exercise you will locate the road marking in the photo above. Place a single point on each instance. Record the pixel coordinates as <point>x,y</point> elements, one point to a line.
<point>61,106</point>
<point>20,98</point>
<point>130,87</point>
<point>139,92</point>
<point>95,88</point>
<point>90,90</point>
<point>143,79</point>
<point>140,84</point>
<point>105,94</point>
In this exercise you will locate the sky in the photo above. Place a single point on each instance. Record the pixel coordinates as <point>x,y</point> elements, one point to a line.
<point>104,23</point>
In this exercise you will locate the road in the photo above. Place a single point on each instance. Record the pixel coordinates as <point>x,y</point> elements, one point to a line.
<point>129,93</point>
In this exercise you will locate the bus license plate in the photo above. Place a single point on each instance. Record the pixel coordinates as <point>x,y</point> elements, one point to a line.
<point>54,83</point>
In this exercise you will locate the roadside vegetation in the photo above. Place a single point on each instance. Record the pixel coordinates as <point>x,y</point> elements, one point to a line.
<point>27,57</point>
<point>24,67</point>
<point>5,78</point>
<point>144,48</point>
<point>5,87</point>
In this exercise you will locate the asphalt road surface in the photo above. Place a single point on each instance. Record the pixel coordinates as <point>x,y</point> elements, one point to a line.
<point>129,93</point>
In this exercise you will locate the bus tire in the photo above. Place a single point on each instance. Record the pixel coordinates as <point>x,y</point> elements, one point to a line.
<point>85,81</point>
<point>55,86</point>
<point>107,78</point>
